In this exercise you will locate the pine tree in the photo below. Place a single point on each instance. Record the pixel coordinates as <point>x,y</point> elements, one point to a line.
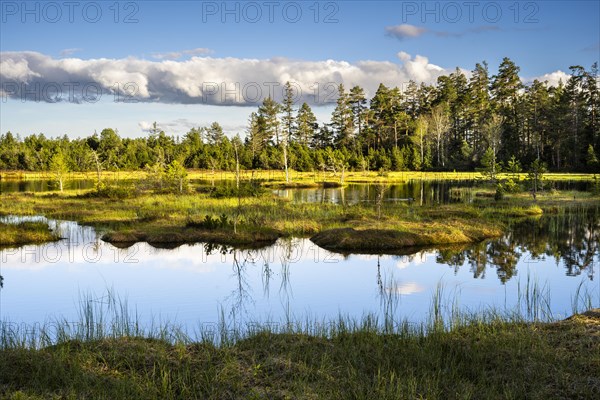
<point>535,175</point>
<point>381,110</point>
<point>256,135</point>
<point>537,124</point>
<point>306,125</point>
<point>214,134</point>
<point>268,113</point>
<point>323,137</point>
<point>420,140</point>
<point>358,101</point>
<point>505,91</point>
<point>479,107</point>
<point>287,108</point>
<point>342,119</point>
<point>591,159</point>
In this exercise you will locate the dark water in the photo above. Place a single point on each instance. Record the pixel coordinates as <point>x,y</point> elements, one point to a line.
<point>11,186</point>
<point>416,191</point>
<point>540,266</point>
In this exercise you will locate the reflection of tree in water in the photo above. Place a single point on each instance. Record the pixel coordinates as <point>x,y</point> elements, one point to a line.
<point>581,249</point>
<point>240,298</point>
<point>478,259</point>
<point>476,255</point>
<point>571,236</point>
<point>267,272</point>
<point>379,280</point>
<point>389,296</point>
<point>504,256</point>
<point>451,257</point>
<point>241,294</point>
<point>285,288</point>
<point>212,248</point>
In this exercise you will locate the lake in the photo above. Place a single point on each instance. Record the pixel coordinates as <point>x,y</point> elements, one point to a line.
<point>556,255</point>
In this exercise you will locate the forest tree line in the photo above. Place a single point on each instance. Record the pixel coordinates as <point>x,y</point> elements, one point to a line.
<point>460,123</point>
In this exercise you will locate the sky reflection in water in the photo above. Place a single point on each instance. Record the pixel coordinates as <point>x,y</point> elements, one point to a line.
<point>190,285</point>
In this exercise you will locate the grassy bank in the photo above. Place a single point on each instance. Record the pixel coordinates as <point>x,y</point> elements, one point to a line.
<point>298,178</point>
<point>479,356</point>
<point>25,233</point>
<point>168,220</point>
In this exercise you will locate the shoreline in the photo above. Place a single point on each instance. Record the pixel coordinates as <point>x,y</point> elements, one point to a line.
<point>485,354</point>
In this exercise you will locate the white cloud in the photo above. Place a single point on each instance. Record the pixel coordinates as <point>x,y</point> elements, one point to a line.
<point>16,70</point>
<point>145,126</point>
<point>409,288</point>
<point>404,56</point>
<point>553,78</point>
<point>404,31</point>
<point>206,80</point>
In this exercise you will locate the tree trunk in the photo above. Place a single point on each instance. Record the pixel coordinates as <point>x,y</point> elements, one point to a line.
<point>285,161</point>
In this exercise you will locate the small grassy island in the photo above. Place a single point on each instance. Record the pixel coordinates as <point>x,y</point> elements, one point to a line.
<point>23,233</point>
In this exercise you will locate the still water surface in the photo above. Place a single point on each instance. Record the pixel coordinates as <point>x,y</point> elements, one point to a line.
<point>417,191</point>
<point>193,284</point>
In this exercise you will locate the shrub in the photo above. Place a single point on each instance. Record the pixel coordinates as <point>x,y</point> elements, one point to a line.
<point>103,191</point>
<point>210,222</point>
<point>510,186</point>
<point>499,192</point>
<point>252,189</point>
<point>149,215</point>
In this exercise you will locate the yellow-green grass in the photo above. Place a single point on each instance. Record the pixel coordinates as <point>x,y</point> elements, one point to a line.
<point>278,176</point>
<point>25,233</point>
<point>178,218</point>
<point>524,203</point>
<point>254,221</point>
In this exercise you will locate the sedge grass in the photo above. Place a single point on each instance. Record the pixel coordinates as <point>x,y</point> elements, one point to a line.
<point>108,354</point>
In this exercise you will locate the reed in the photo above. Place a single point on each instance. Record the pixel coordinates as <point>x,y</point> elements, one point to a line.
<point>109,354</point>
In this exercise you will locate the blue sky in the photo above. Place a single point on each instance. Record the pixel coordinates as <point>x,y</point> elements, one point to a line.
<point>169,51</point>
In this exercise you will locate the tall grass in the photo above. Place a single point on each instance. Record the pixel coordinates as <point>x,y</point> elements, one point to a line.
<point>533,300</point>
<point>455,354</point>
<point>110,316</point>
<point>582,299</point>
